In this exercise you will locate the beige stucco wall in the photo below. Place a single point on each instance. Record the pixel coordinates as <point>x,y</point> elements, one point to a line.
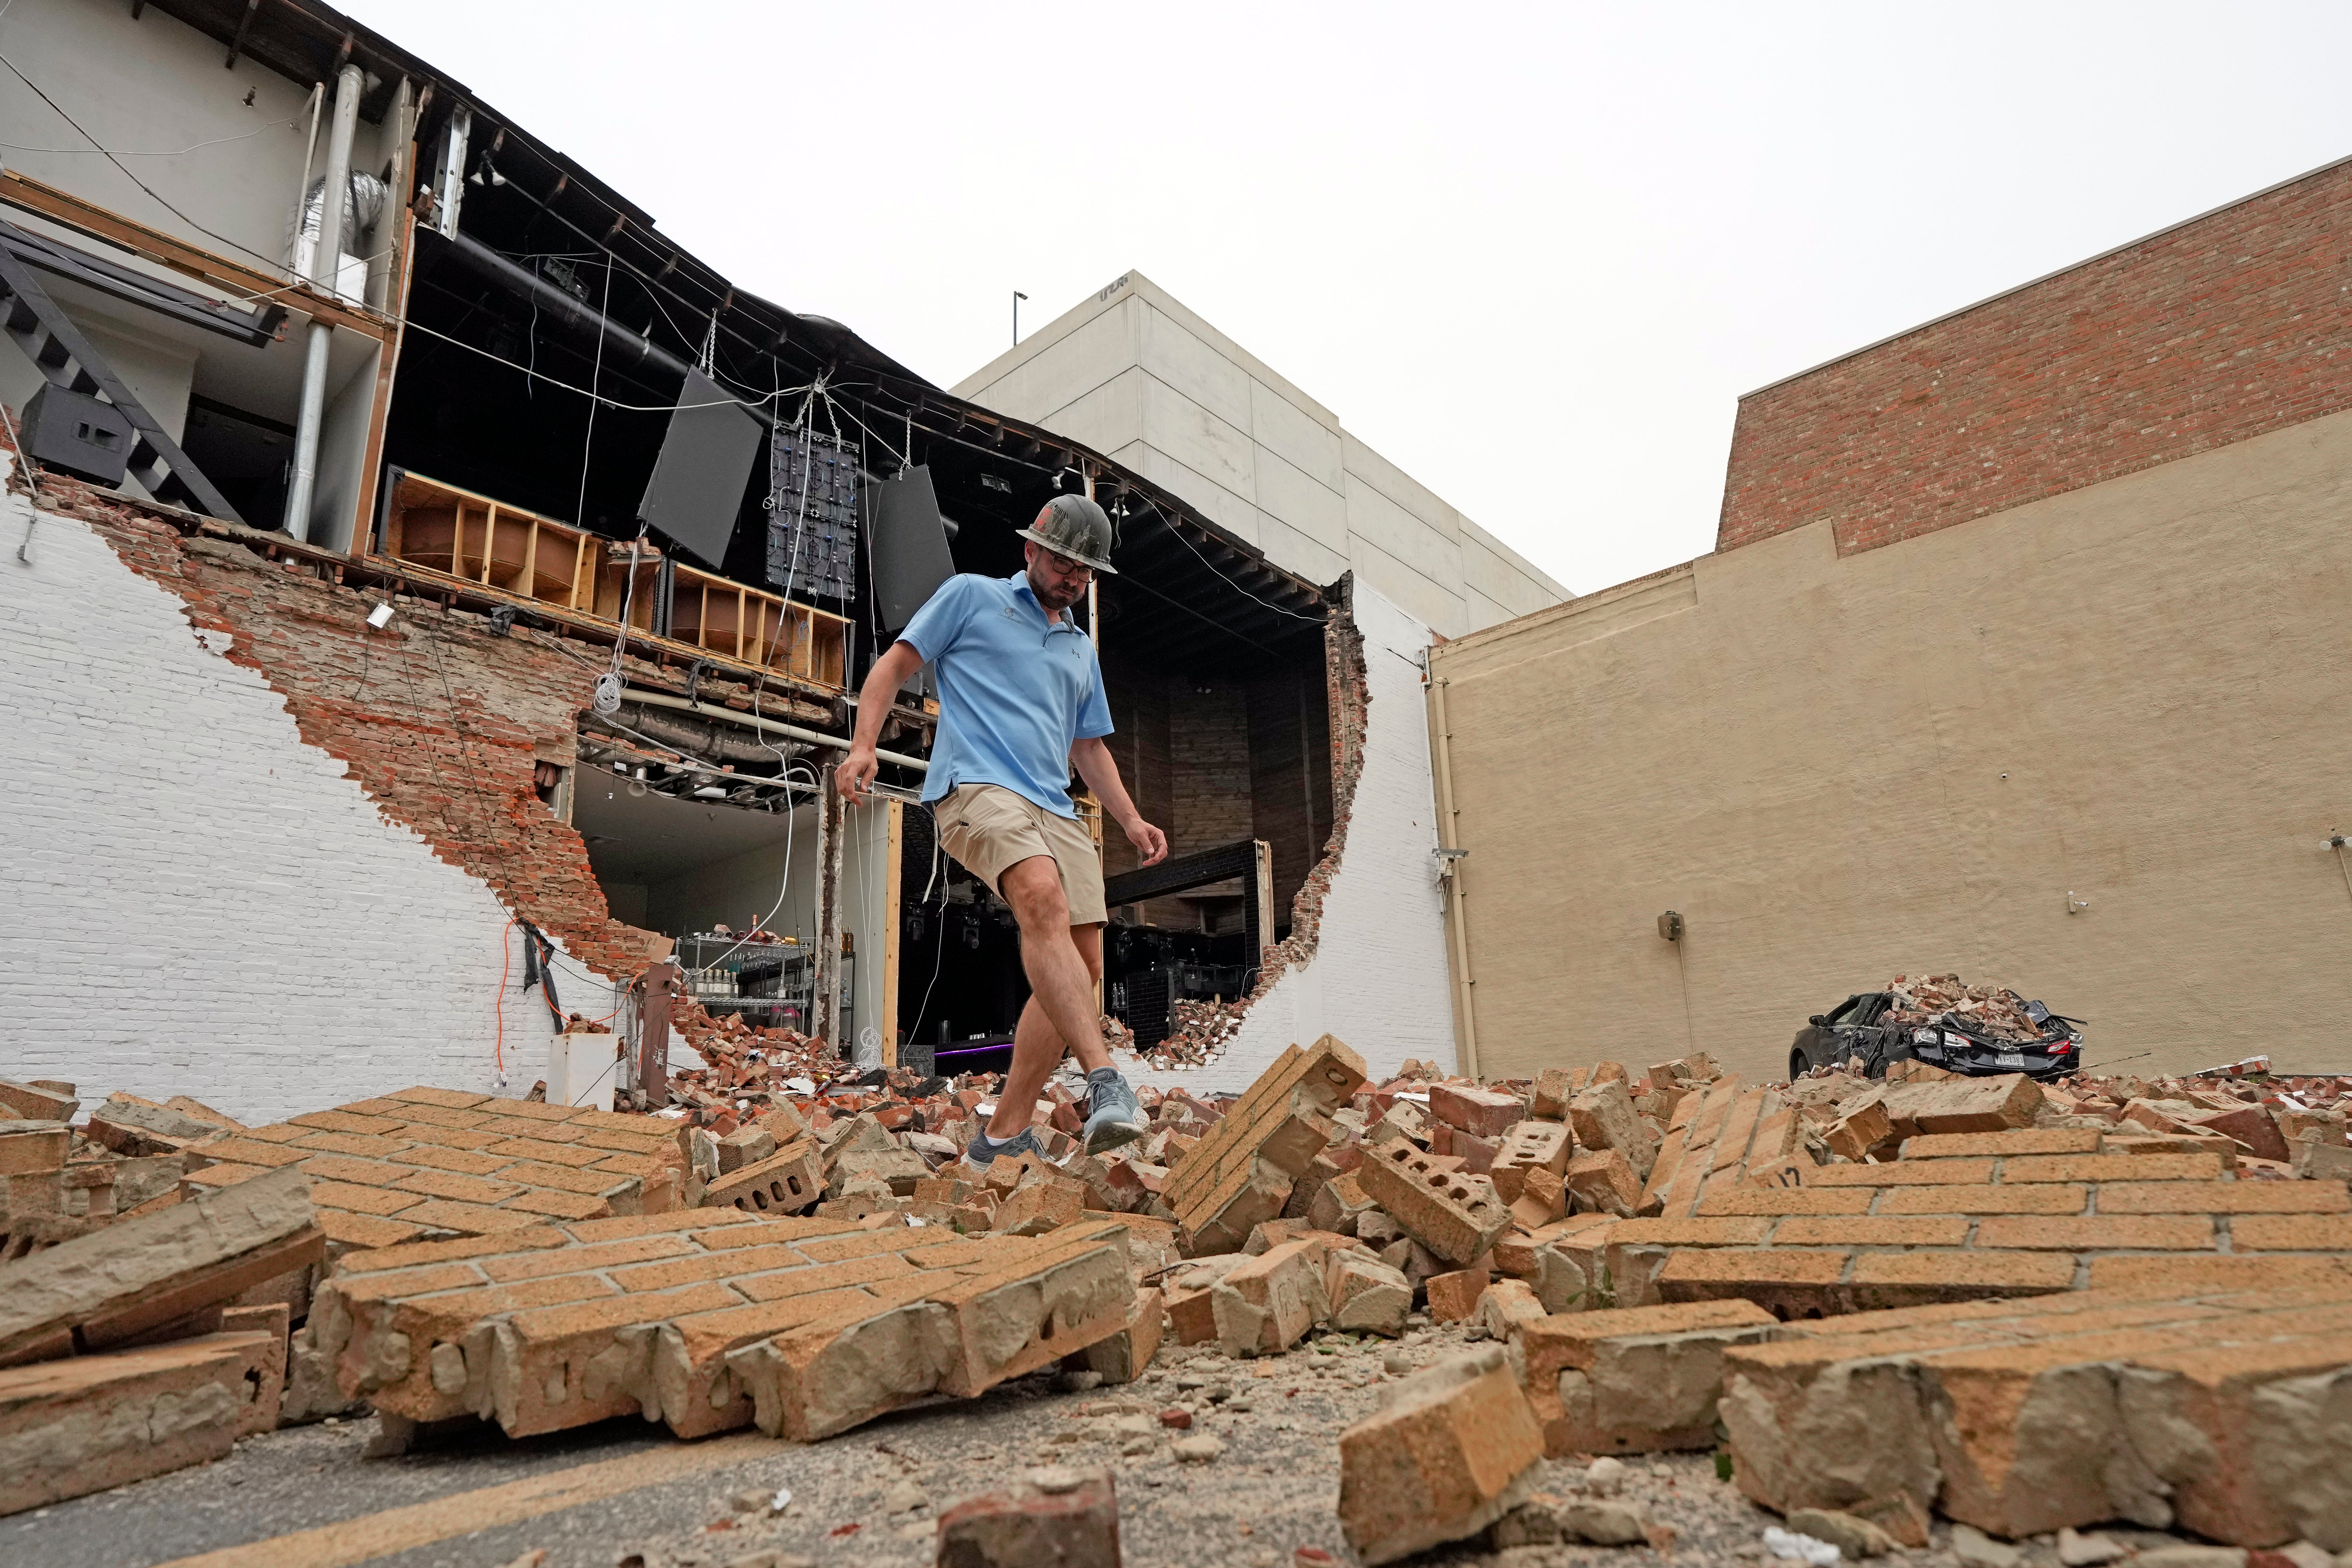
<point>1905,760</point>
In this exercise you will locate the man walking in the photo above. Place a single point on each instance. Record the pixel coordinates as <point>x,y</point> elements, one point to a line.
<point>1021,704</point>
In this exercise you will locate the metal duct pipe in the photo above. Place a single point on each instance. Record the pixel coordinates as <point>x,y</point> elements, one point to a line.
<point>702,739</point>
<point>791,732</point>
<point>572,312</point>
<point>324,256</point>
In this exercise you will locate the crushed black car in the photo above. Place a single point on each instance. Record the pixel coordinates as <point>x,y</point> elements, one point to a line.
<point>1887,1026</point>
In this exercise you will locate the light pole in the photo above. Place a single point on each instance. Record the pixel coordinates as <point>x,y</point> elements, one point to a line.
<point>1017,296</point>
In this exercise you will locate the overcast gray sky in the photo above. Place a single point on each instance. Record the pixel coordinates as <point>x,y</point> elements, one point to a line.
<point>1531,254</point>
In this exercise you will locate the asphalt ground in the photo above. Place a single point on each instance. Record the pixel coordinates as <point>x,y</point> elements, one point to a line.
<point>305,1497</point>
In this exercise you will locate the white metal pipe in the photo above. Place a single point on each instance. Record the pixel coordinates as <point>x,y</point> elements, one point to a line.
<point>324,257</point>
<point>790,731</point>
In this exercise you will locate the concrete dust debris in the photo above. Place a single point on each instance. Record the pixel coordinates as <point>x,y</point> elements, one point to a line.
<point>1792,1547</point>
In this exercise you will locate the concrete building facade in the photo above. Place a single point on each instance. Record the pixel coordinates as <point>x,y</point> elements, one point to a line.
<point>1136,376</point>
<point>2021,656</point>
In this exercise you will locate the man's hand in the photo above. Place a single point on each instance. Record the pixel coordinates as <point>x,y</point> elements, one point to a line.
<point>1148,841</point>
<point>856,774</point>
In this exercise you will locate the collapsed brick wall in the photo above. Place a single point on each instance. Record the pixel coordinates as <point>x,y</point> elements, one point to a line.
<point>439,719</point>
<point>2226,327</point>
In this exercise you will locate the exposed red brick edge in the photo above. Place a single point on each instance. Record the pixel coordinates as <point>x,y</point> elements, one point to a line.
<point>465,787</point>
<point>1348,692</point>
<point>2213,331</point>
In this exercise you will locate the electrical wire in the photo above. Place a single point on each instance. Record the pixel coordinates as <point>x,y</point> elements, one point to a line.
<point>506,967</point>
<point>1168,523</point>
<point>179,152</point>
<point>595,375</point>
<point>760,401</point>
<point>23,466</point>
<point>269,261</point>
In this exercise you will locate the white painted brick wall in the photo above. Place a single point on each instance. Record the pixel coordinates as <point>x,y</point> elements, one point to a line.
<point>192,900</point>
<point>1379,978</point>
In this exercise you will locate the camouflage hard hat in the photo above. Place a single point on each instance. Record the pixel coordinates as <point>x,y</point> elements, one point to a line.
<point>1078,527</point>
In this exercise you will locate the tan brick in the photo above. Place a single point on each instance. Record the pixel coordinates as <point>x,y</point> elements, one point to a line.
<point>557,1204</point>
<point>345,1120</point>
<point>1454,1298</point>
<point>359,1173</point>
<point>574,1156</point>
<point>786,1183</point>
<point>1365,1295</point>
<point>1455,1217</point>
<point>1786,1275</point>
<point>30,1154</point>
<point>881,1269</point>
<point>2112,1168</point>
<point>623,1226</point>
<point>345,1229</point>
<point>1604,1118</point>
<point>2179,1272</point>
<point>1906,1174</point>
<point>668,1273</point>
<point>284,1132</point>
<point>2054,1197</point>
<point>1281,1292</point>
<point>1043,1205</point>
<point>1900,1279</point>
<point>1453,1449</point>
<point>456,1188</point>
<point>350,1195</point>
<point>1240,1175</point>
<point>437,1116</point>
<point>238,1149</point>
<point>1725,1201</point>
<point>1742,1231</point>
<point>2113,1233</point>
<point>566,1179</point>
<point>1479,1111</point>
<point>1871,1230</point>
<point>84,1424</point>
<point>1640,1379</point>
<point>447,1137</point>
<point>138,1273</point>
<point>1602,1181</point>
<point>1966,1105</point>
<point>2224,1197</point>
<point>2015,1141</point>
<point>349,1143</point>
<point>464,1162</point>
<point>465,1220</point>
<point>446,1099</point>
<point>2299,1233</point>
<point>1553,1086</point>
<point>508,1245</point>
<point>1527,1146</point>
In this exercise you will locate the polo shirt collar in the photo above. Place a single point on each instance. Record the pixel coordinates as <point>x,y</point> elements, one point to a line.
<point>1018,583</point>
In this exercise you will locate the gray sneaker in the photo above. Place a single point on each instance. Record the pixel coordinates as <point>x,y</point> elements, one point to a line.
<point>1113,1117</point>
<point>982,1152</point>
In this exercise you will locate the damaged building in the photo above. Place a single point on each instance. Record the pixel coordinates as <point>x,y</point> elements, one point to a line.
<point>532,568</point>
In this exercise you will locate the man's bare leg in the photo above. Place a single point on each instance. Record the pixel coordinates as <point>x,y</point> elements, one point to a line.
<point>1063,962</point>
<point>1038,1049</point>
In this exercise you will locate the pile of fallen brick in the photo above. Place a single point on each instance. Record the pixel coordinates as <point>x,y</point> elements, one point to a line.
<point>1884,1300</point>
<point>1924,998</point>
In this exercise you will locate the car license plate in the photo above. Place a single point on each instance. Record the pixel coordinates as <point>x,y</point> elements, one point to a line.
<point>2012,1060</point>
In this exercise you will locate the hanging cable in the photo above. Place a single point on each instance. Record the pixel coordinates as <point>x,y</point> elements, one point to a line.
<point>269,261</point>
<point>760,401</point>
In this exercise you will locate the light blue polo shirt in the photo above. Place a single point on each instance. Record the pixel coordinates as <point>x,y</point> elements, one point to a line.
<point>1015,692</point>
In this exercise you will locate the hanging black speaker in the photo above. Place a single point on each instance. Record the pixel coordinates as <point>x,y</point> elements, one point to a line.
<point>706,460</point>
<point>911,547</point>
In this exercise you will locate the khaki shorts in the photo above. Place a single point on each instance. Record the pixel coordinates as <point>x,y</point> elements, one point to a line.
<point>990,830</point>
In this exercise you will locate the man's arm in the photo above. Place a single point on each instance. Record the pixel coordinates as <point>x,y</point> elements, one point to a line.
<point>1100,770</point>
<point>890,672</point>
